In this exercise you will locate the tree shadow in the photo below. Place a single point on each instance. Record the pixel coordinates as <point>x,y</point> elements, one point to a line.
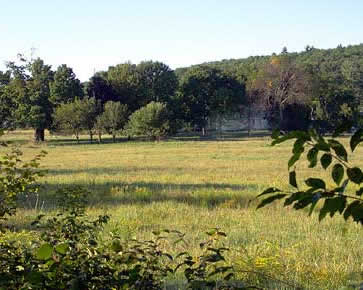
<point>73,141</point>
<point>224,136</point>
<point>117,170</point>
<point>112,194</point>
<point>192,136</point>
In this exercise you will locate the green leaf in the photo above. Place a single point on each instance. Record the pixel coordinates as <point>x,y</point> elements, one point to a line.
<point>44,252</point>
<point>293,197</point>
<point>356,139</point>
<point>304,200</point>
<point>355,210</point>
<point>294,158</point>
<point>313,157</point>
<point>326,160</point>
<point>359,192</point>
<point>62,248</point>
<point>315,183</point>
<point>275,134</point>
<point>269,190</point>
<point>35,277</point>
<point>355,175</point>
<point>337,173</point>
<point>314,203</point>
<point>292,179</point>
<point>339,149</point>
<point>298,146</point>
<point>332,205</point>
<point>290,135</point>
<point>322,145</point>
<point>270,199</point>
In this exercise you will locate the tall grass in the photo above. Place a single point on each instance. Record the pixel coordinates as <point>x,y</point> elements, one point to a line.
<point>196,185</point>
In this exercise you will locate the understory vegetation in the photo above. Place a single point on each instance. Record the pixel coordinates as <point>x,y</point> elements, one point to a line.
<point>174,214</point>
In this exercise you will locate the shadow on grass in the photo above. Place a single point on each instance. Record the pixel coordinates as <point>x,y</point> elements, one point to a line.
<point>73,141</point>
<point>193,136</point>
<point>119,170</point>
<point>111,194</point>
<point>224,136</point>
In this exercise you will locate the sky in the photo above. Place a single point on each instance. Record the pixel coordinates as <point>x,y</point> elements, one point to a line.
<point>91,35</point>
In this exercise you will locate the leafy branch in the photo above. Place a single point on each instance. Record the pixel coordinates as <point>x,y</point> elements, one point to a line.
<point>333,155</point>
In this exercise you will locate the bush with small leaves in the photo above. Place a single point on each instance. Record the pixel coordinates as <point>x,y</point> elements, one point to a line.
<point>151,121</point>
<point>16,178</point>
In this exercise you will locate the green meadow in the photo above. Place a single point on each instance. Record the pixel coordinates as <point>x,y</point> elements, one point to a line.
<point>194,184</point>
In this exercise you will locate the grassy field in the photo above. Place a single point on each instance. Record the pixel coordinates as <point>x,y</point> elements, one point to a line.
<point>194,185</point>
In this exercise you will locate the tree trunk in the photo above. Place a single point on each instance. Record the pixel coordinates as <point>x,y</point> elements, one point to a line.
<point>91,136</point>
<point>114,138</point>
<point>203,131</point>
<point>281,111</point>
<point>39,135</point>
<point>249,121</point>
<point>77,137</point>
<point>99,137</point>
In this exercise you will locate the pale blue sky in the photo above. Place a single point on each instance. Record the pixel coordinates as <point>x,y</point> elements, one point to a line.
<point>91,35</point>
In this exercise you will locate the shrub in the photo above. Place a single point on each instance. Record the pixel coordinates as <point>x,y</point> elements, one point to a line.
<point>113,119</point>
<point>16,177</point>
<point>151,121</point>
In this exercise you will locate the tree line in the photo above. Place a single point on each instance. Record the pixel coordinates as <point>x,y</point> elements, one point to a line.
<point>320,88</point>
<point>316,87</point>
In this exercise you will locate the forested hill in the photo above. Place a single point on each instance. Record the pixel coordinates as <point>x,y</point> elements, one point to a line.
<point>311,58</point>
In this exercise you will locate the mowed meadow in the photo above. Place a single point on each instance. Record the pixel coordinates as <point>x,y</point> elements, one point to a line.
<point>193,185</point>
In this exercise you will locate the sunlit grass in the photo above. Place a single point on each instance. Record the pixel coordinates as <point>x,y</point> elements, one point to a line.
<point>196,185</point>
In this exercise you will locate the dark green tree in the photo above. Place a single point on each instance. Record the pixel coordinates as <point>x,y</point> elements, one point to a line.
<point>205,90</point>
<point>68,118</point>
<point>65,87</point>
<point>7,104</point>
<point>124,80</point>
<point>158,81</point>
<point>151,121</point>
<point>113,118</point>
<point>37,106</point>
<point>99,88</point>
<point>89,108</point>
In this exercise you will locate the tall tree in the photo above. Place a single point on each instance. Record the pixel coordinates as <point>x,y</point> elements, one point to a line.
<point>7,103</point>
<point>29,88</point>
<point>68,117</point>
<point>65,87</point>
<point>99,88</point>
<point>113,118</point>
<point>125,82</point>
<point>35,105</point>
<point>89,109</point>
<point>158,82</point>
<point>206,90</point>
<point>279,83</point>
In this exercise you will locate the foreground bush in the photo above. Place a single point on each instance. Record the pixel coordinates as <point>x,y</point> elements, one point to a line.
<point>68,254</point>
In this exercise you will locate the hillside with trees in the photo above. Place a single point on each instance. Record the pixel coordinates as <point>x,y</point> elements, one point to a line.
<point>327,83</point>
<point>314,88</point>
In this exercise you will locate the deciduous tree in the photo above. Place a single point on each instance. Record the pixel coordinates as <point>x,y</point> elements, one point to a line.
<point>205,90</point>
<point>151,120</point>
<point>65,87</point>
<point>113,118</point>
